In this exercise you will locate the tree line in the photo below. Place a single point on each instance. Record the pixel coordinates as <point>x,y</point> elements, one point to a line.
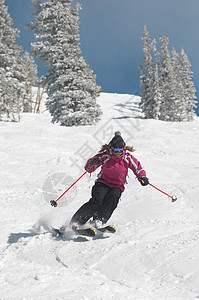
<point>167,90</point>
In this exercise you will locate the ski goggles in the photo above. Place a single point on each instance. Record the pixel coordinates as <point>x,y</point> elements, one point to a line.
<point>118,150</point>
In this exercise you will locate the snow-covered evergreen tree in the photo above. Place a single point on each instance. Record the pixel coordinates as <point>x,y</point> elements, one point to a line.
<point>151,94</point>
<point>156,83</point>
<point>147,77</point>
<point>187,85</point>
<point>168,106</point>
<point>157,93</point>
<point>167,90</point>
<point>71,85</point>
<point>9,53</point>
<point>180,103</point>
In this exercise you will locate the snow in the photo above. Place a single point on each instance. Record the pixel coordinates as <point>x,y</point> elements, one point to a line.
<point>155,252</point>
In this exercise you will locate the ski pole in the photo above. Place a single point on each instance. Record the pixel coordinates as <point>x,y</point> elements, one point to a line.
<point>173,198</point>
<point>54,202</point>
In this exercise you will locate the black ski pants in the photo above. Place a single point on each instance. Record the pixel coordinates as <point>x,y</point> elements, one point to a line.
<point>101,206</point>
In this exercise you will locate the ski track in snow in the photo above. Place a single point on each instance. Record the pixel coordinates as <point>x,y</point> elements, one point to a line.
<point>155,252</point>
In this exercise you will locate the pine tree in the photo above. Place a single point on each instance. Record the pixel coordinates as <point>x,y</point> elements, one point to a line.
<point>180,103</point>
<point>168,106</point>
<point>149,79</point>
<point>156,83</point>
<point>187,84</point>
<point>157,94</point>
<point>147,73</point>
<point>71,85</point>
<point>9,53</point>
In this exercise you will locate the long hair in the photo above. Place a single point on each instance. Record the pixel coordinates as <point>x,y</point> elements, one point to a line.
<point>106,146</point>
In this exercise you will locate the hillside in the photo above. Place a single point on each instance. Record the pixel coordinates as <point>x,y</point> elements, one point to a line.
<point>155,252</point>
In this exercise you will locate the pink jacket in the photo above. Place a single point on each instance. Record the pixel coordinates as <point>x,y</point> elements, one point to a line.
<point>115,169</point>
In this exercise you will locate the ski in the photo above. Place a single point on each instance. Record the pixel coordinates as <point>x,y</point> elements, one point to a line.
<point>90,232</point>
<point>107,229</point>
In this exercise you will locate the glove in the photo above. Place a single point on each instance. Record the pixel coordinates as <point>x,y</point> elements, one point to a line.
<point>144,181</point>
<point>95,161</point>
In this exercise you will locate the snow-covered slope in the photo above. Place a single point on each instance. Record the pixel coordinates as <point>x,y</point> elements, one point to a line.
<point>155,251</point>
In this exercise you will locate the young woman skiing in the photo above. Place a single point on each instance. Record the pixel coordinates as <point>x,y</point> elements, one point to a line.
<point>115,162</point>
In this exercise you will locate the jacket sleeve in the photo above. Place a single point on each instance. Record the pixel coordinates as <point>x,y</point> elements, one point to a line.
<point>136,167</point>
<point>90,169</point>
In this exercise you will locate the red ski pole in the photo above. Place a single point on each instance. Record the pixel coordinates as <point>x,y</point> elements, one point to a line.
<point>173,198</point>
<point>54,202</point>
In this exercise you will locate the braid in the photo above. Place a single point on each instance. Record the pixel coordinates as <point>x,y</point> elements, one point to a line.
<point>129,148</point>
<point>104,148</point>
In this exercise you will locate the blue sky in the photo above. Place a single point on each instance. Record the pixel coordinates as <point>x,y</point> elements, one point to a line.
<point>110,35</point>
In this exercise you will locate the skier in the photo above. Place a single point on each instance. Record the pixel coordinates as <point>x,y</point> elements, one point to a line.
<point>115,162</point>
